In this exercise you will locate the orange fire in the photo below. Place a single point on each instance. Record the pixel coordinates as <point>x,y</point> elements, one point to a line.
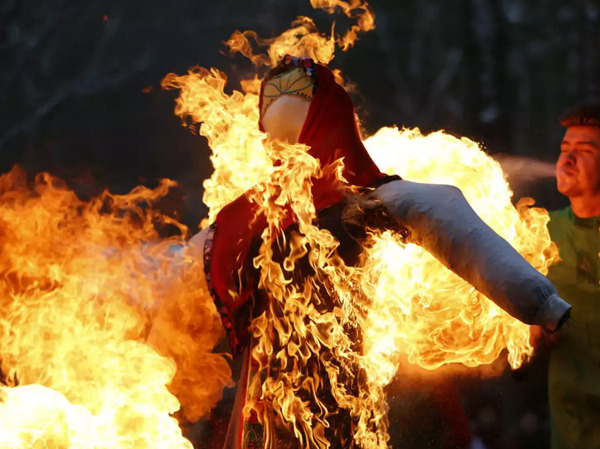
<point>81,284</point>
<point>108,329</point>
<point>426,313</point>
<point>304,38</point>
<point>429,313</point>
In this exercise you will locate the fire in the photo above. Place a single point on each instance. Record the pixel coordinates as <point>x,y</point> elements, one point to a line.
<point>430,314</point>
<point>81,283</point>
<point>239,154</point>
<point>304,39</point>
<point>107,330</point>
<point>354,9</point>
<point>229,122</point>
<point>400,291</point>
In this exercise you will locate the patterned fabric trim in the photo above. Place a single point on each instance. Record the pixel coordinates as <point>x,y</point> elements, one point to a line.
<point>290,61</point>
<point>253,433</point>
<point>224,312</point>
<point>293,83</point>
<point>305,84</point>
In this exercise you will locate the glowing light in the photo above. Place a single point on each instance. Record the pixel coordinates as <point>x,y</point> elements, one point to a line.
<point>400,300</point>
<point>81,283</point>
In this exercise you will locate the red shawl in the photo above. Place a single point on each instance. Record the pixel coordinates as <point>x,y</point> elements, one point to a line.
<point>331,132</point>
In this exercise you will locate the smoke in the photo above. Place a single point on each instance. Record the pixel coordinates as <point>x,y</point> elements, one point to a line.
<point>522,170</point>
<point>409,375</point>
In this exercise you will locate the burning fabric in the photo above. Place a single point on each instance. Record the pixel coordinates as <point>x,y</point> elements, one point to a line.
<point>299,296</point>
<point>326,268</point>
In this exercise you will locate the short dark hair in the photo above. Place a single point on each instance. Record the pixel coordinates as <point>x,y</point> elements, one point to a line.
<point>583,114</point>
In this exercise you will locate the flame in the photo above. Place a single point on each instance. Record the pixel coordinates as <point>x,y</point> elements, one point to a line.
<point>353,9</point>
<point>304,39</point>
<point>80,285</point>
<point>229,123</point>
<point>309,330</point>
<point>305,342</point>
<point>428,313</point>
<point>107,330</point>
<point>294,328</point>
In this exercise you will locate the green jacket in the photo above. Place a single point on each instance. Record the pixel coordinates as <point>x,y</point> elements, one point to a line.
<point>574,373</point>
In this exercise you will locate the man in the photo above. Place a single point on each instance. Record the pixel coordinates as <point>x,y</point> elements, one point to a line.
<point>574,373</point>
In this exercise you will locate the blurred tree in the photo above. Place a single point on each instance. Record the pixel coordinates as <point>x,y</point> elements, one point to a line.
<point>72,76</point>
<point>54,51</point>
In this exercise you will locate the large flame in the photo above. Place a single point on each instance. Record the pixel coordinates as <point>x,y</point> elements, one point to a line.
<point>429,313</point>
<point>426,312</point>
<point>304,39</point>
<point>99,315</point>
<point>294,332</point>
<point>311,374</point>
<point>80,285</point>
<point>229,122</point>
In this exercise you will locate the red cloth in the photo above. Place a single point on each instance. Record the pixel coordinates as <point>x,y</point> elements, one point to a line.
<point>331,132</point>
<point>457,433</point>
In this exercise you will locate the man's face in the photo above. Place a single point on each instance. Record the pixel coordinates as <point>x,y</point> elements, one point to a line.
<point>578,166</point>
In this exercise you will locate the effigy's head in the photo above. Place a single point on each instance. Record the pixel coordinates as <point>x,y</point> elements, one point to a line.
<point>301,102</point>
<point>285,102</point>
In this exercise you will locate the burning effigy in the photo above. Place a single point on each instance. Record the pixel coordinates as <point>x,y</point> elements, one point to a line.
<point>328,259</point>
<point>321,291</point>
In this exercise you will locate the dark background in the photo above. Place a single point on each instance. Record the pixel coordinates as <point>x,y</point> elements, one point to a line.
<point>73,77</point>
<point>80,98</point>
